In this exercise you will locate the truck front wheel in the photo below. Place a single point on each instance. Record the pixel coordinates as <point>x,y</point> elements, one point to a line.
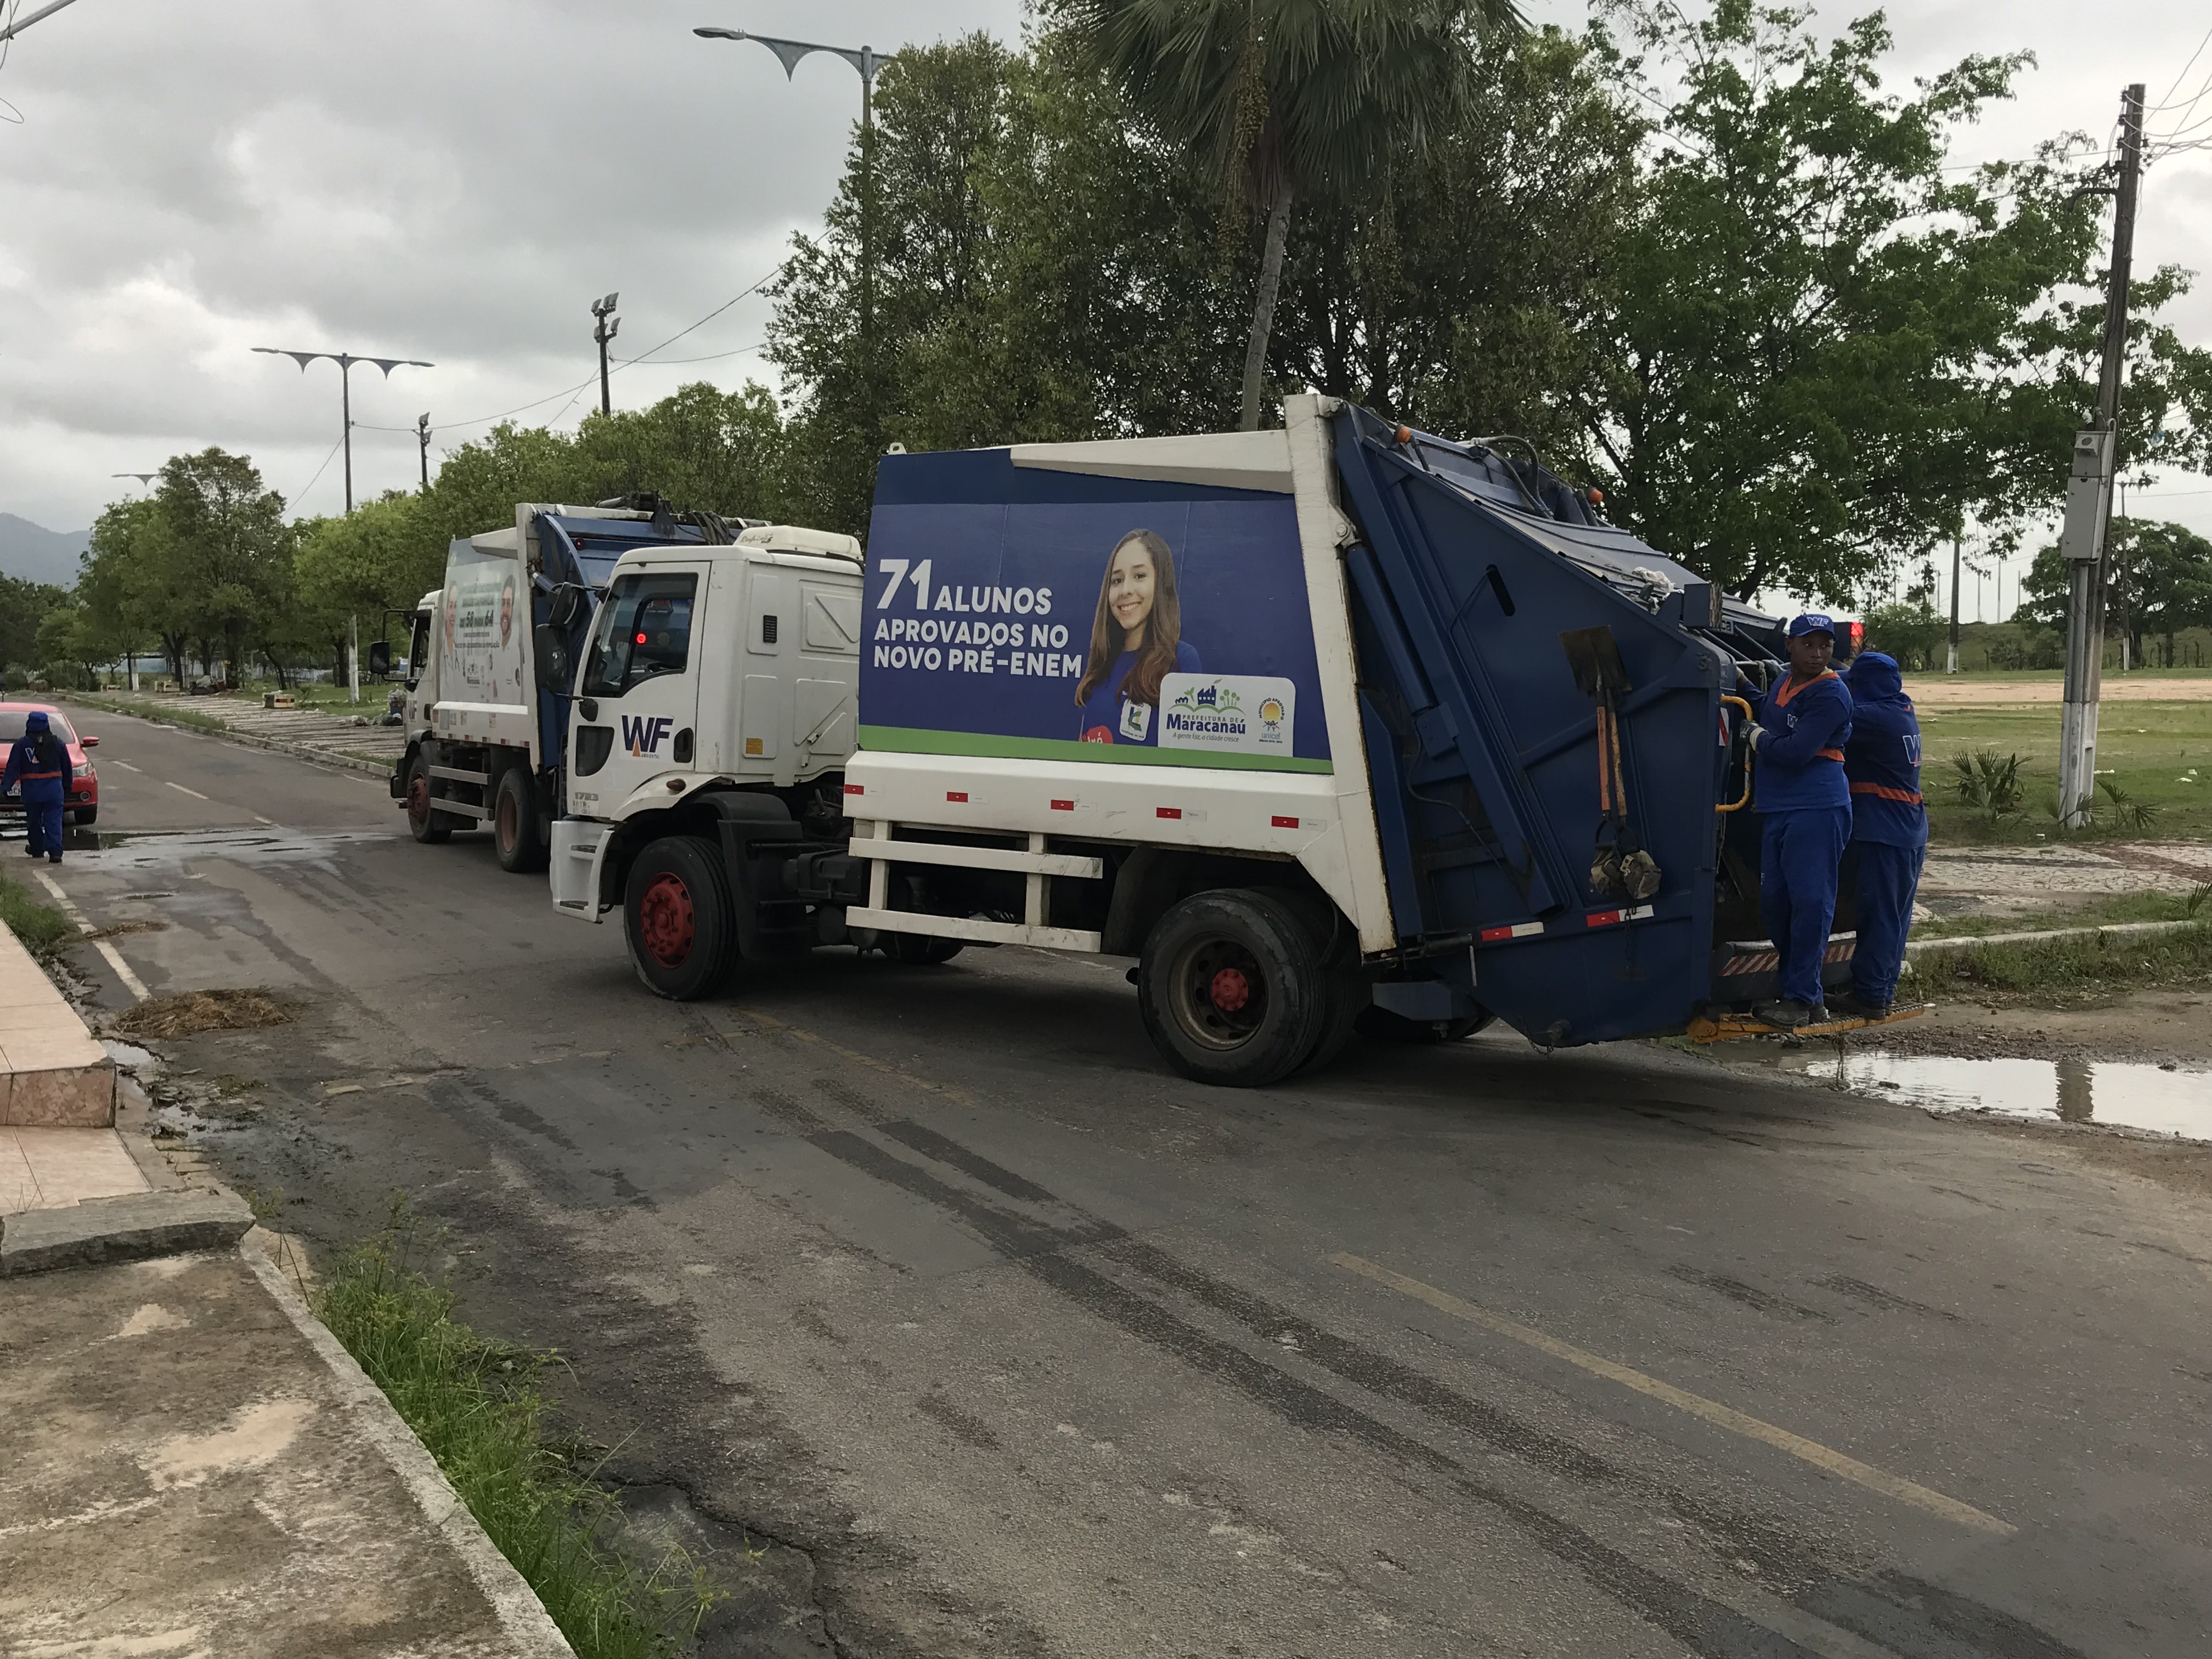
<point>423,823</point>
<point>1232,988</point>
<point>678,918</point>
<point>514,822</point>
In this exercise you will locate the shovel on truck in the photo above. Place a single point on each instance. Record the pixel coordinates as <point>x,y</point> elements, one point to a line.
<point>1315,724</point>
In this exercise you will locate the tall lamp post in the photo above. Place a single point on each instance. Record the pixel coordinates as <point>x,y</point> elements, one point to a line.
<point>867,61</point>
<point>605,325</point>
<point>345,361</point>
<point>422,442</point>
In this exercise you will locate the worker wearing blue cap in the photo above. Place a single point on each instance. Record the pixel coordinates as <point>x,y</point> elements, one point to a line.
<point>1803,723</point>
<point>41,761</point>
<point>1889,826</point>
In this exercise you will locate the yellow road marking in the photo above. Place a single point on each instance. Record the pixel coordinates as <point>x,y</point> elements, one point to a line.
<point>1709,1411</point>
<point>857,1057</point>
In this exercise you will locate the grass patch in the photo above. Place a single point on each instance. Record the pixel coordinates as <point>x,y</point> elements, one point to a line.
<point>475,1403</point>
<point>2065,973</point>
<point>160,714</point>
<point>2093,912</point>
<point>43,929</point>
<point>2158,754</point>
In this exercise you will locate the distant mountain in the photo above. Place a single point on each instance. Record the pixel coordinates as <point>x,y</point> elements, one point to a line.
<point>32,553</point>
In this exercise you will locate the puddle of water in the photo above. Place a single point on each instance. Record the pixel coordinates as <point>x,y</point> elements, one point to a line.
<point>128,1055</point>
<point>159,850</point>
<point>2118,1093</point>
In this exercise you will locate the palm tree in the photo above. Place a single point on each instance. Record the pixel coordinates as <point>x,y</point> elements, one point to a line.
<point>1288,100</point>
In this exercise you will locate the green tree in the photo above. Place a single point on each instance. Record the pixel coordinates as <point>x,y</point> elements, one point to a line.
<point>1912,631</point>
<point>1827,351</point>
<point>232,550</point>
<point>24,608</point>
<point>129,583</point>
<point>66,647</point>
<point>2158,579</point>
<point>1285,102</point>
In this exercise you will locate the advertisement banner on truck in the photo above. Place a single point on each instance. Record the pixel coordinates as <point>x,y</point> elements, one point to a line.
<point>1166,633</point>
<point>482,620</point>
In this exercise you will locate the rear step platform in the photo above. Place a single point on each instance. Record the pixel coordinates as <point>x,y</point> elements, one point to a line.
<point>1728,1027</point>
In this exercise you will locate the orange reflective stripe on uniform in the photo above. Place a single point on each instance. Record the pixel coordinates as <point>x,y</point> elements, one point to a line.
<point>1835,755</point>
<point>1910,797</point>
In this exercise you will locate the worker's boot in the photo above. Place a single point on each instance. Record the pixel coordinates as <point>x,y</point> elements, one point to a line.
<point>1860,1006</point>
<point>1789,1013</point>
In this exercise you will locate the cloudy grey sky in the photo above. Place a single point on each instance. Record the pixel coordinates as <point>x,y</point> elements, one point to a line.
<point>458,181</point>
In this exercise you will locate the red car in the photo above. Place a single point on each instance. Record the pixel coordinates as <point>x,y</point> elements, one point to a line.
<point>84,798</point>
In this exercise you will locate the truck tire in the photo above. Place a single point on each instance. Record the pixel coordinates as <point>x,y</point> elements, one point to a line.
<point>423,823</point>
<point>514,833</point>
<point>1232,988</point>
<point>678,918</point>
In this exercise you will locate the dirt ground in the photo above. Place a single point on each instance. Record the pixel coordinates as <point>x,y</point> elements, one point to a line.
<point>1944,691</point>
<point>2157,1026</point>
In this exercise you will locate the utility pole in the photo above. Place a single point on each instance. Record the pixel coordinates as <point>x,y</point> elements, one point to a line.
<point>604,327</point>
<point>345,361</point>
<point>2089,500</point>
<point>1952,667</point>
<point>868,61</point>
<point>353,659</point>
<point>423,441</point>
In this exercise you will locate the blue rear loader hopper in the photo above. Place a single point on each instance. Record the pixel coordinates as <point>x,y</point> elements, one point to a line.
<point>1539,693</point>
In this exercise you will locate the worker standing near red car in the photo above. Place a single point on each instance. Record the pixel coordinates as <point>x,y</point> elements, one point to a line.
<point>1803,723</point>
<point>40,760</point>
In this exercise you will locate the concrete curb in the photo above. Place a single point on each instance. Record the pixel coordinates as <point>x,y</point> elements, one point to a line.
<point>127,1228</point>
<point>231,734</point>
<point>520,1614</point>
<point>2110,930</point>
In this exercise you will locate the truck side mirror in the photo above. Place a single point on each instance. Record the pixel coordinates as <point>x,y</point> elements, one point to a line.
<point>379,656</point>
<point>556,668</point>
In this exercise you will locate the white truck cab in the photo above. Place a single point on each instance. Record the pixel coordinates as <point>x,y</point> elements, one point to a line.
<point>720,685</point>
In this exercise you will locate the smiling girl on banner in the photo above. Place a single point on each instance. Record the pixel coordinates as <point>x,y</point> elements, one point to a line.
<point>1136,641</point>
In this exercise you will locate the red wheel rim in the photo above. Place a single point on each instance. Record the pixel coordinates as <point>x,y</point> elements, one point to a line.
<point>1229,990</point>
<point>418,798</point>
<point>665,924</point>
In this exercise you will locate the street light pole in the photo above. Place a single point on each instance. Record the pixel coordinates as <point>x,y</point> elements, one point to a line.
<point>423,441</point>
<point>345,361</point>
<point>22,23</point>
<point>868,61</point>
<point>1953,665</point>
<point>605,327</point>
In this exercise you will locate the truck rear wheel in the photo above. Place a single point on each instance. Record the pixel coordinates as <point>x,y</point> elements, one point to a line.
<point>423,823</point>
<point>678,918</point>
<point>1232,988</point>
<point>514,822</point>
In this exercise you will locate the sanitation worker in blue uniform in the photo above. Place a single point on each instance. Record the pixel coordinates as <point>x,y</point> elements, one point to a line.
<point>1803,723</point>
<point>39,761</point>
<point>1889,826</point>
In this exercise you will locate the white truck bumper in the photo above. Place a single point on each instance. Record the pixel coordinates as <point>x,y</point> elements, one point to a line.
<point>580,847</point>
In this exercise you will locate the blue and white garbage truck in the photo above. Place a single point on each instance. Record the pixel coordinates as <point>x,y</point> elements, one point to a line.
<point>493,654</point>
<point>1341,726</point>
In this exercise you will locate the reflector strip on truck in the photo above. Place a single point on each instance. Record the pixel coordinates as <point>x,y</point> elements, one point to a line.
<point>856,789</point>
<point>1280,822</point>
<point>1167,812</point>
<point>956,795</point>
<point>1612,918</point>
<point>1063,806</point>
<point>1517,930</point>
<point>1766,962</point>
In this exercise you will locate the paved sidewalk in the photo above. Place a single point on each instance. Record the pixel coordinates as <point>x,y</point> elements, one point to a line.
<point>190,1466</point>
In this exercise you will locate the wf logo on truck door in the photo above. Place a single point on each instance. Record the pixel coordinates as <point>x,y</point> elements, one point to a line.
<point>641,734</point>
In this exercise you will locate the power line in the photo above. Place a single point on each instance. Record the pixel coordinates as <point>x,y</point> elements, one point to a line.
<point>292,501</point>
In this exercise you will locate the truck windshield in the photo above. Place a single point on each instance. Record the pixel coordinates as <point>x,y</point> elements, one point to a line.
<point>644,630</point>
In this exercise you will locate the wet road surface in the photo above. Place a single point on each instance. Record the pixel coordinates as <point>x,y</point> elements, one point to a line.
<point>942,1319</point>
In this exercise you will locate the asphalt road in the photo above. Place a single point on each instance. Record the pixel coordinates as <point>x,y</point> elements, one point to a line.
<point>939,1318</point>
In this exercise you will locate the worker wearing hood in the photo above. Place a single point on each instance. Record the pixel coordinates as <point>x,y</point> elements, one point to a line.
<point>41,761</point>
<point>1889,825</point>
